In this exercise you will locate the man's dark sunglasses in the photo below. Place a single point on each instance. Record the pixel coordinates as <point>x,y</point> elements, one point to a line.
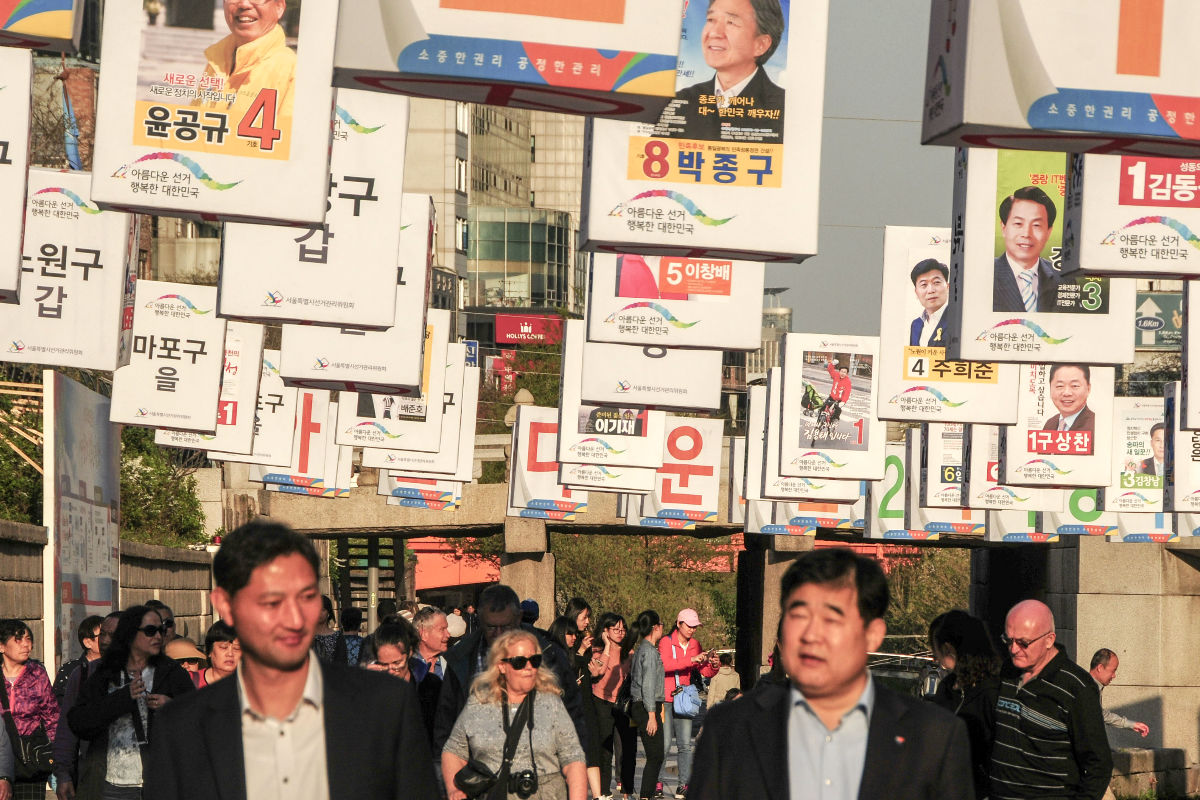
<point>519,662</point>
<point>150,630</point>
<point>1022,644</point>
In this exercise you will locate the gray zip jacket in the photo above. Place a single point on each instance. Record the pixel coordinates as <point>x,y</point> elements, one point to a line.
<point>649,676</point>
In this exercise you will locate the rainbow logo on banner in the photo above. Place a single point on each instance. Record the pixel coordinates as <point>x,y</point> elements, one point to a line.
<point>678,197</point>
<point>1004,490</point>
<point>354,124</point>
<point>381,429</point>
<point>663,312</point>
<point>1035,462</point>
<point>1136,496</point>
<point>1170,222</point>
<point>819,454</point>
<point>192,167</point>
<point>598,441</point>
<point>190,305</point>
<point>1033,326</point>
<point>83,205</point>
<point>941,398</point>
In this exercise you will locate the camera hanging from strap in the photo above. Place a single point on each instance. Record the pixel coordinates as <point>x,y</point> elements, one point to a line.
<point>512,731</point>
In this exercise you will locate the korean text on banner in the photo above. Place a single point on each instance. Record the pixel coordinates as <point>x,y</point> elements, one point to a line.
<point>660,377</point>
<point>1138,470</point>
<point>731,169</point>
<point>688,485</point>
<point>983,488</point>
<point>534,485</point>
<point>274,419</point>
<point>191,130</point>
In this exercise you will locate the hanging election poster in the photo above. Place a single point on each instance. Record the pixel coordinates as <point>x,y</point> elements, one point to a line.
<point>600,478</point>
<point>779,487</point>
<point>688,484</point>
<point>1138,456</point>
<point>944,465</point>
<point>960,521</point>
<point>1017,305</point>
<point>41,25</point>
<point>1188,405</point>
<point>274,419</point>
<point>1018,527</point>
<point>887,499</point>
<point>17,68</point>
<point>737,480</point>
<point>660,377</point>
<point>318,467</point>
<point>534,484</point>
<point>983,487</point>
<point>179,131</point>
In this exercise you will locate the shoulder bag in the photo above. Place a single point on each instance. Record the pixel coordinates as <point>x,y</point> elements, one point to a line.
<point>476,778</point>
<point>33,753</point>
<point>685,700</point>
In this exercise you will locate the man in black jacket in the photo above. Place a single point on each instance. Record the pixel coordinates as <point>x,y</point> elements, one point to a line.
<point>831,726</point>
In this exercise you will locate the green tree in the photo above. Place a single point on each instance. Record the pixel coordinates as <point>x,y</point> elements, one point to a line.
<point>931,583</point>
<point>20,453</point>
<point>159,504</point>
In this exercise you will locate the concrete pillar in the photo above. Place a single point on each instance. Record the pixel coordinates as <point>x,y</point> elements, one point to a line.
<point>399,570</point>
<point>527,565</point>
<point>372,582</point>
<point>760,570</point>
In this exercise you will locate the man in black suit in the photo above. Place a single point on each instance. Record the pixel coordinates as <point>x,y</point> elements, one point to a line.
<point>1022,280</point>
<point>1154,464</point>
<point>831,725</point>
<point>1070,385</point>
<point>739,37</point>
<point>931,284</point>
<point>285,722</point>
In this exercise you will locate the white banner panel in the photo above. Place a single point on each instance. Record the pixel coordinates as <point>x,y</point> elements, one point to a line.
<point>779,487</point>
<point>983,487</point>
<point>840,437</point>
<point>1017,305</point>
<point>1138,456</point>
<point>411,420</point>
<point>1181,490</point>
<point>318,467</point>
<point>623,436</point>
<point>76,269</point>
<point>759,514</point>
<point>1132,216</point>
<point>887,500</point>
<point>944,465</point>
<point>675,301</point>
<point>357,360</point>
<point>1076,75</point>
<point>81,510</point>
<point>274,419</point>
<point>916,380</point>
<point>1083,516</point>
<point>599,478</point>
<point>340,272</point>
<point>177,132</point>
<point>719,176</point>
<point>42,24</point>
<point>1017,526</point>
<point>737,480</point>
<point>449,505</point>
<point>688,484</point>
<point>609,57</point>
<point>1188,408</point>
<point>533,482</point>
<point>664,377</point>
<point>172,378</point>
<point>238,396</point>
<point>418,223</point>
<point>962,521</point>
<point>334,480</point>
<point>17,68</point>
<point>1063,431</point>
<point>418,487</point>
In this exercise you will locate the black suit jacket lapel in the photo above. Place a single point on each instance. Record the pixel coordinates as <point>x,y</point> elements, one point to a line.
<point>221,731</point>
<point>768,733</point>
<point>884,747</point>
<point>343,723</point>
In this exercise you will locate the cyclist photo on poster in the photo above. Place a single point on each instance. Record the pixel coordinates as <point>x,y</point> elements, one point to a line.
<point>842,383</point>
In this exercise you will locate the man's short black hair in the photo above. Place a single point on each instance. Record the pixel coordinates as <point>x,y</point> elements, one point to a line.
<point>1029,193</point>
<point>929,265</point>
<point>844,566</point>
<point>1087,371</point>
<point>89,628</point>
<point>768,17</point>
<point>1102,657</point>
<point>254,544</point>
<point>499,597</point>
<point>1156,427</point>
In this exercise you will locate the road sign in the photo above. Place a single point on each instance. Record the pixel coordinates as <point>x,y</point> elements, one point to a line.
<point>1159,321</point>
<point>472,352</point>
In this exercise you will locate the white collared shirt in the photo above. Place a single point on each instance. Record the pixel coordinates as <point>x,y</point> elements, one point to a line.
<point>285,759</point>
<point>733,91</point>
<point>1065,423</point>
<point>930,325</point>
<point>826,764</point>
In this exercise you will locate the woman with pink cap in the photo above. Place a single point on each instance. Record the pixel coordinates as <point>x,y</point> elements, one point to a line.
<point>681,653</point>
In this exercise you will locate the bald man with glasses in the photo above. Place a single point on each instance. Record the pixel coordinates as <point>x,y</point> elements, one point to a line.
<point>1050,742</point>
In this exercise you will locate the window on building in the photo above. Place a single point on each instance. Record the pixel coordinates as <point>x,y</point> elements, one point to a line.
<point>460,234</point>
<point>460,175</point>
<point>462,117</point>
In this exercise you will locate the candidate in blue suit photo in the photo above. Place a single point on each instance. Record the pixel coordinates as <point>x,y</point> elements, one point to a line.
<point>937,320</point>
<point>1023,280</point>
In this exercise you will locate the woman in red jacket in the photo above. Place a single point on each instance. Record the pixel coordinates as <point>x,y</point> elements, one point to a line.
<point>681,653</point>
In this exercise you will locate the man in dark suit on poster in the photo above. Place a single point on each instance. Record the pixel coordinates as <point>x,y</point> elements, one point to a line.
<point>1070,385</point>
<point>831,726</point>
<point>931,285</point>
<point>739,38</point>
<point>1022,280</point>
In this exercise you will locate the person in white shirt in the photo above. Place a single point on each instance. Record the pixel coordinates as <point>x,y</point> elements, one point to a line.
<point>931,285</point>
<point>1104,669</point>
<point>1022,280</point>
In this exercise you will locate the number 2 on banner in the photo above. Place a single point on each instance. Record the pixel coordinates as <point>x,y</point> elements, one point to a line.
<point>266,133</point>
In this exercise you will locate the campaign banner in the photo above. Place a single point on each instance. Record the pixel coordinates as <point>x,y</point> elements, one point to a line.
<point>356,360</point>
<point>1154,528</point>
<point>983,488</point>
<point>418,224</point>
<point>172,378</point>
<point>1083,516</point>
<point>635,506</point>
<point>1181,454</point>
<point>1138,471</point>
<point>274,419</point>
<point>731,170</point>
<point>756,441</point>
<point>81,509</point>
<point>41,25</point>
<point>944,464</point>
<point>688,484</point>
<point>410,418</point>
<point>459,405</point>
<point>333,480</point>
<point>612,58</point>
<point>412,487</point>
<point>233,127</point>
<point>528,329</point>
<point>917,381</point>
<point>807,518</point>
<point>340,271</point>
<point>887,500</point>
<point>659,377</point>
<point>737,480</point>
<point>1132,216</point>
<point>1188,408</point>
<point>314,467</point>
<point>77,266</point>
<point>17,68</point>
<point>533,483</point>
<point>958,521</point>
<point>600,478</point>
<point>1017,304</point>
<point>1063,431</point>
<point>829,398</point>
<point>238,396</point>
<point>675,301</point>
<point>1109,76</point>
<point>780,487</point>
<point>624,436</point>
<point>451,490</point>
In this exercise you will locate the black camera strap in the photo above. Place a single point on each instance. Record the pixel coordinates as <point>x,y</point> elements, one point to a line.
<point>512,733</point>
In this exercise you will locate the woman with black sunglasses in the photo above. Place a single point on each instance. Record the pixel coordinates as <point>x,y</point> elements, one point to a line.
<point>547,758</point>
<point>117,704</point>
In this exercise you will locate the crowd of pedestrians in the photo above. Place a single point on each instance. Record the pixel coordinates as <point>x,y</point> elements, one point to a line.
<point>479,702</point>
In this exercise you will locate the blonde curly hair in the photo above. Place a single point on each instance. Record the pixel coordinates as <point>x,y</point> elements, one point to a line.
<point>488,686</point>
